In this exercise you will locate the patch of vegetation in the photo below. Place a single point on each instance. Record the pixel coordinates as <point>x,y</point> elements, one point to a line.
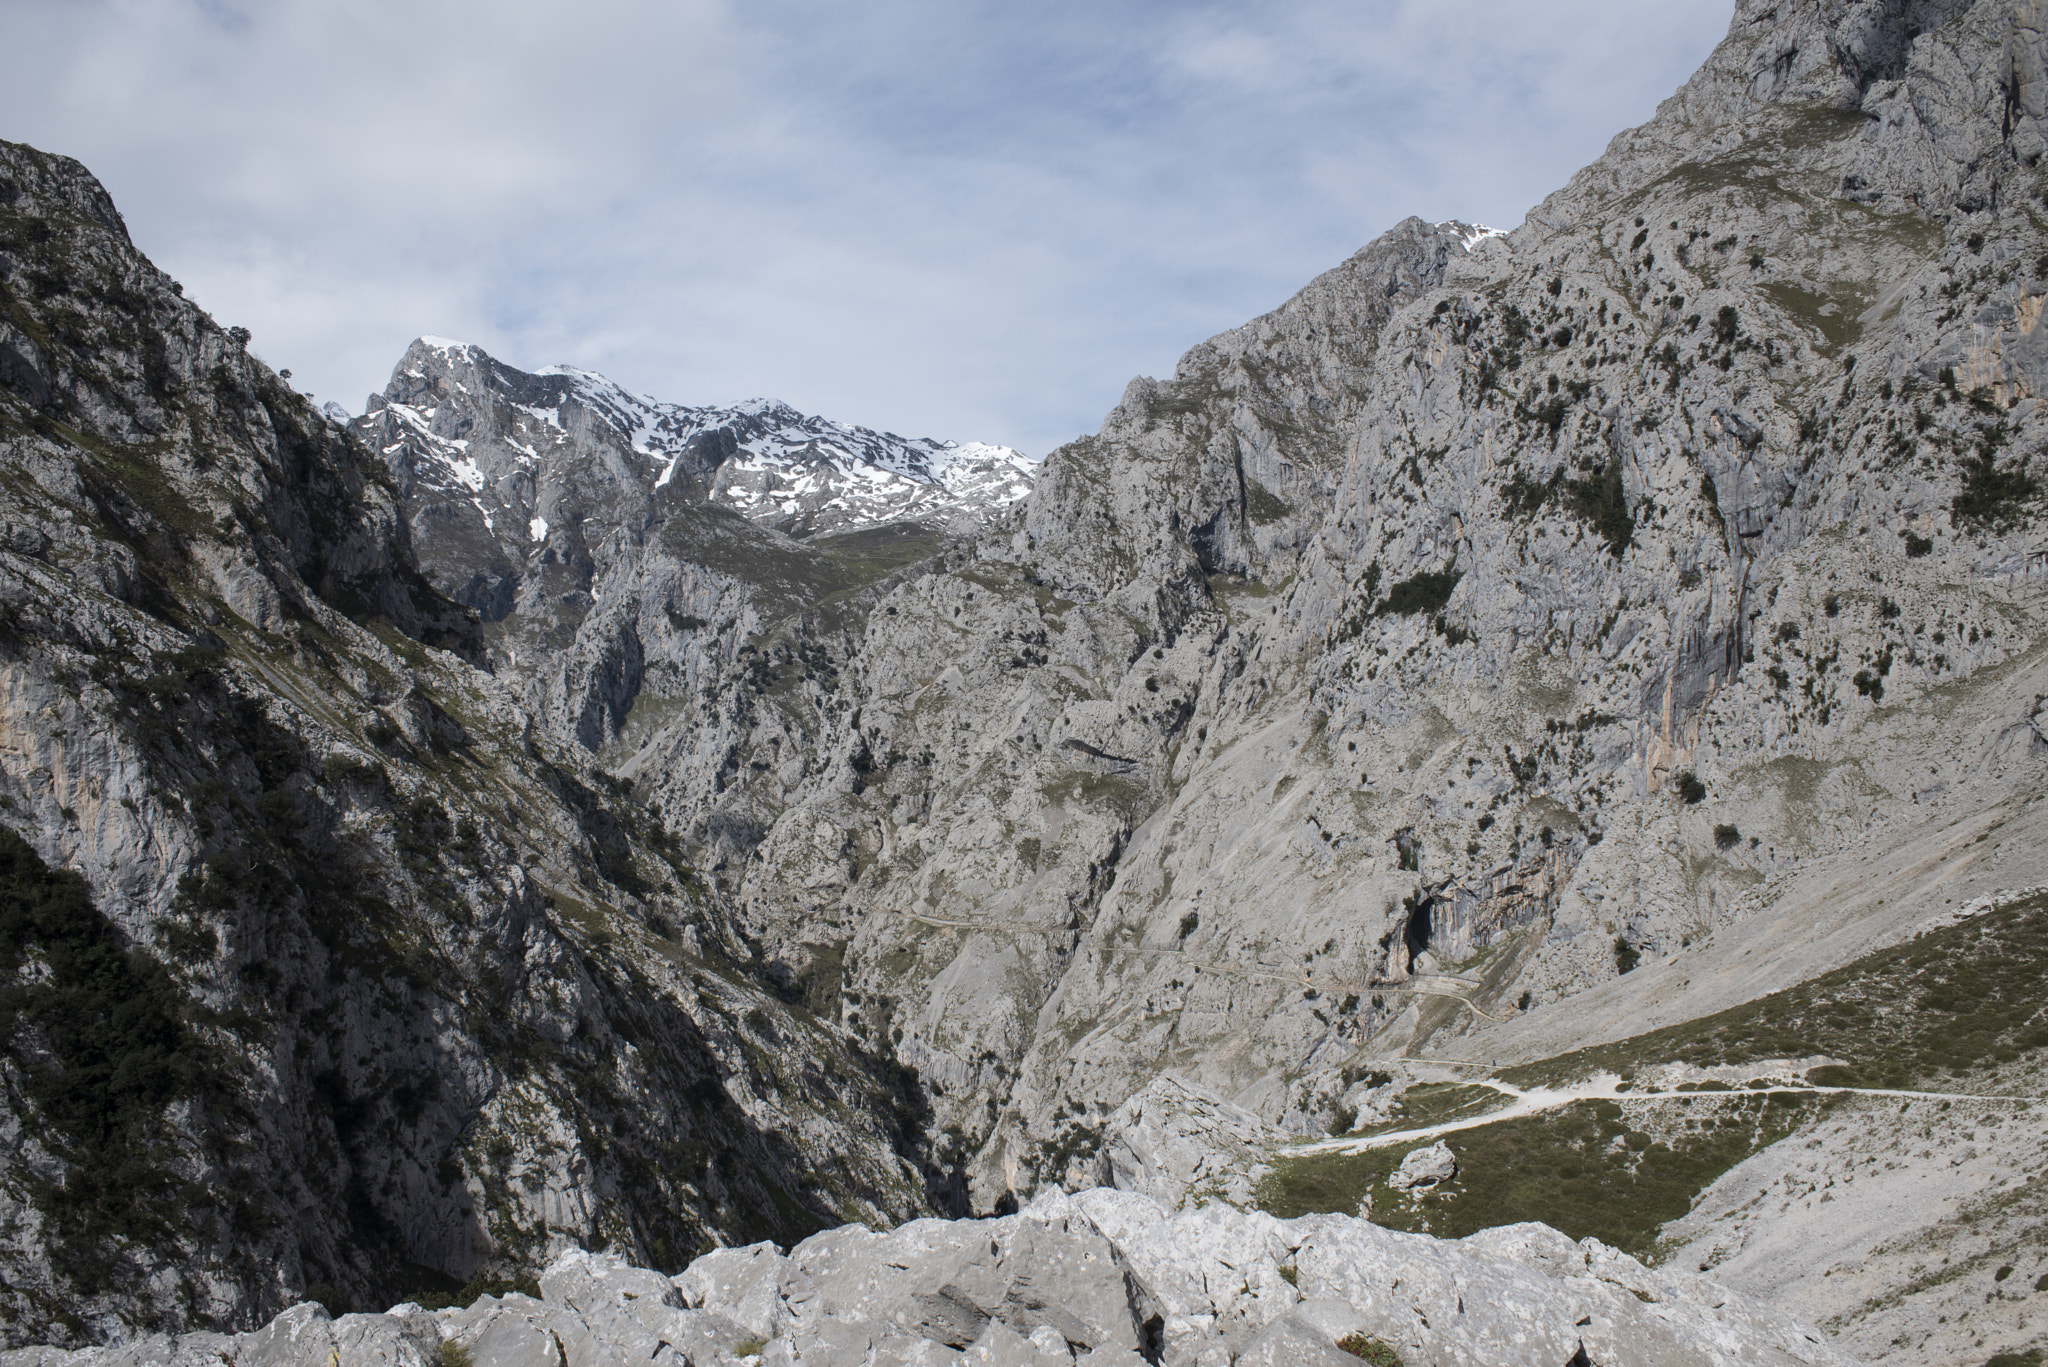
<point>1369,1350</point>
<point>431,1290</point>
<point>95,1031</point>
<point>1599,502</point>
<point>1839,323</point>
<point>1626,955</point>
<point>1263,506</point>
<point>1992,496</point>
<point>1434,1103</point>
<point>1690,790</point>
<point>1581,1169</point>
<point>876,552</point>
<point>1917,546</point>
<point>1525,498</point>
<point>1420,593</point>
<point>1956,1000</point>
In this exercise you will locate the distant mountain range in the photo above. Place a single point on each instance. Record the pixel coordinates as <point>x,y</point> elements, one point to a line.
<point>482,432</point>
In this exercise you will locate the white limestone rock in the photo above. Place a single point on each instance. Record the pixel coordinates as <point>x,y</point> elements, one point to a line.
<point>1105,1277</point>
<point>1425,1168</point>
<point>1177,1141</point>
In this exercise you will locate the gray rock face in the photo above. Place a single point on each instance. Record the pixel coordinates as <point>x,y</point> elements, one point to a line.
<point>1659,589</point>
<point>1497,613</point>
<point>1104,1277</point>
<point>634,562</point>
<point>344,977</point>
<point>1177,1143</point>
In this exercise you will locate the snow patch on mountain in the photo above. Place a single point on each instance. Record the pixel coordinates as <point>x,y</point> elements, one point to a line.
<point>761,458</point>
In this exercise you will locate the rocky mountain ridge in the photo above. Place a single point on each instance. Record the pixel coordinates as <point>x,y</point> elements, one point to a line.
<point>325,971</point>
<point>1507,644</point>
<point>797,473</point>
<point>1104,1278</point>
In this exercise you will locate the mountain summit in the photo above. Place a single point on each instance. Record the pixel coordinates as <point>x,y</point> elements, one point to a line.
<point>466,425</point>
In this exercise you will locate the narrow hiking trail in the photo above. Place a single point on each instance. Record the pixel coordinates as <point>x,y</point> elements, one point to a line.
<point>1606,1086</point>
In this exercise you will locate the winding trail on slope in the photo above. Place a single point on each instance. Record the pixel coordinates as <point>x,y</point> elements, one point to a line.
<point>1606,1086</point>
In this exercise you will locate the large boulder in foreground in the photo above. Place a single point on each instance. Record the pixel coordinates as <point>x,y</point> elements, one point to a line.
<point>1105,1277</point>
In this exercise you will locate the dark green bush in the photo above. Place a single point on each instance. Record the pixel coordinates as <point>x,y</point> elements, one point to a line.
<point>1991,496</point>
<point>1599,502</point>
<point>98,1040</point>
<point>1726,837</point>
<point>1626,955</point>
<point>1690,790</point>
<point>1425,592</point>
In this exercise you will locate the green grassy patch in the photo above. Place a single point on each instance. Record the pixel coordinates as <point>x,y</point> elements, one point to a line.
<point>1262,506</point>
<point>1435,1103</point>
<point>1369,1350</point>
<point>1581,1169</point>
<point>1424,592</point>
<point>877,552</point>
<point>1838,328</point>
<point>1947,1003</point>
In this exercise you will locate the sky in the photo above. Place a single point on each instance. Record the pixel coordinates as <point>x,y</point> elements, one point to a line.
<point>952,218</point>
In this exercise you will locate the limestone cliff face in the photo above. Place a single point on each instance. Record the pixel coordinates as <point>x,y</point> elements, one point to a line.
<point>324,968</point>
<point>631,559</point>
<point>1499,614</point>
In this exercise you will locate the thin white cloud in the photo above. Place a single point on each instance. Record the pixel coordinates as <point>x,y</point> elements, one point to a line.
<point>947,217</point>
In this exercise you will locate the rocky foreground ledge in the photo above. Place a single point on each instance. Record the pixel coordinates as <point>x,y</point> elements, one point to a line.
<point>1104,1278</point>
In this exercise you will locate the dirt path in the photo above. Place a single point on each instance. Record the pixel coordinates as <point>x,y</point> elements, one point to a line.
<point>1534,1100</point>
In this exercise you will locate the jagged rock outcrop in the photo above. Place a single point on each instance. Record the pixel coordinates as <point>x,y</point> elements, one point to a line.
<point>326,971</point>
<point>1180,1144</point>
<point>1102,1278</point>
<point>632,561</point>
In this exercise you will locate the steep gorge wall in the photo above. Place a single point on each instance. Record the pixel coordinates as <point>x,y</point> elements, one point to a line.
<point>326,972</point>
<point>1393,633</point>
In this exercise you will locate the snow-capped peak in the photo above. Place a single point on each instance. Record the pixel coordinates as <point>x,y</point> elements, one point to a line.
<point>464,420</point>
<point>1471,235</point>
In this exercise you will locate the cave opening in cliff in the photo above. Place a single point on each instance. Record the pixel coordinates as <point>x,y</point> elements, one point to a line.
<point>1417,931</point>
